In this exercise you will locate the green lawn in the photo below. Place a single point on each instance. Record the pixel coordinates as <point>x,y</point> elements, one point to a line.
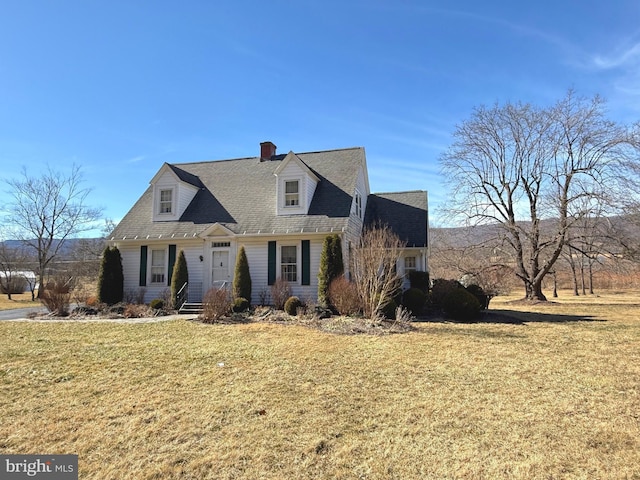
<point>545,391</point>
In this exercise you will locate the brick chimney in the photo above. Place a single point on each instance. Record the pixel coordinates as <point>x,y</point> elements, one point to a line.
<point>267,150</point>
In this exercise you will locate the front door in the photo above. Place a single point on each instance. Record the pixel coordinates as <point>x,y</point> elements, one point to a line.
<point>220,268</point>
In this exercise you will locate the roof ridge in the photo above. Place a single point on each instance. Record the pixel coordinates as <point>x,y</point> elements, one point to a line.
<point>215,161</point>
<point>330,150</point>
<point>396,193</point>
<point>257,158</point>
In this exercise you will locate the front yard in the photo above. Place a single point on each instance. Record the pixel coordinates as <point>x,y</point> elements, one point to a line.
<point>546,391</point>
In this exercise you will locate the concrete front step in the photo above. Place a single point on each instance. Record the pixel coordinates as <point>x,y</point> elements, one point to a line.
<point>191,308</point>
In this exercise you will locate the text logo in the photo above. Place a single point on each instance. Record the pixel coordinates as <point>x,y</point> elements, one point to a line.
<point>49,467</point>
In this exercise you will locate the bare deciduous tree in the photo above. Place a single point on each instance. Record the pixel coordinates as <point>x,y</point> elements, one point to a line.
<point>47,210</point>
<point>373,267</point>
<point>517,165</point>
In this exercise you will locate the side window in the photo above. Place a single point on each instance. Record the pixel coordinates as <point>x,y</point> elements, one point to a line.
<point>358,204</point>
<point>158,266</point>
<point>289,263</point>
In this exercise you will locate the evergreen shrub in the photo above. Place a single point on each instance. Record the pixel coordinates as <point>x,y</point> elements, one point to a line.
<point>388,311</point>
<point>461,305</point>
<point>414,299</point>
<point>478,292</point>
<point>240,305</point>
<point>242,277</point>
<point>441,288</point>
<point>292,305</point>
<point>111,277</point>
<point>419,280</point>
<point>179,277</point>
<point>156,304</point>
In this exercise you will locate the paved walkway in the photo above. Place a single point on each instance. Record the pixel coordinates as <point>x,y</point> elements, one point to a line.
<point>90,319</point>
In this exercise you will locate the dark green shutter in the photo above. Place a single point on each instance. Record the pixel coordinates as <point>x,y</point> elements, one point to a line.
<point>143,266</point>
<point>306,262</point>
<point>271,275</point>
<point>172,262</point>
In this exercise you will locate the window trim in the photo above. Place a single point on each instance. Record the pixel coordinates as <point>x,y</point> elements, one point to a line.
<point>163,267</point>
<point>295,196</point>
<point>162,202</point>
<point>296,265</point>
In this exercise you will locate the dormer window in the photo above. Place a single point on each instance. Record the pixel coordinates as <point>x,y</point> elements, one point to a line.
<point>166,201</point>
<point>292,193</point>
<point>295,186</point>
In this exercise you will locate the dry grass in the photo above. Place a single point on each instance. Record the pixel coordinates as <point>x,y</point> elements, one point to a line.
<point>19,300</point>
<point>548,395</point>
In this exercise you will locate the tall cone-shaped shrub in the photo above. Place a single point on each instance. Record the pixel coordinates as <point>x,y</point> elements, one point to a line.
<point>241,277</point>
<point>331,266</point>
<point>179,277</point>
<point>111,278</point>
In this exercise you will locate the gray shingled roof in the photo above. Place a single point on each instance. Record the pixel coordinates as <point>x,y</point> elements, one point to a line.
<point>240,194</point>
<point>404,212</point>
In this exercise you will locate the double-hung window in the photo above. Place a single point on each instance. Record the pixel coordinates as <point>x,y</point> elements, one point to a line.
<point>289,263</point>
<point>166,201</point>
<point>158,266</point>
<point>291,193</point>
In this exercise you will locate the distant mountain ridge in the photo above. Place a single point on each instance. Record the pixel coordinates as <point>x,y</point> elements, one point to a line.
<point>69,246</point>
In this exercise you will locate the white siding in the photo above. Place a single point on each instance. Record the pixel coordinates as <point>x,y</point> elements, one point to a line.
<point>130,254</point>
<point>311,190</point>
<point>257,257</point>
<point>186,193</point>
<point>256,249</point>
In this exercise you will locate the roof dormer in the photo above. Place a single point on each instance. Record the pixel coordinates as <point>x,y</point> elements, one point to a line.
<point>296,184</point>
<point>173,190</point>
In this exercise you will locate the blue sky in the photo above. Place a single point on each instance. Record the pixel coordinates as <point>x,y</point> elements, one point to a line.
<point>120,87</point>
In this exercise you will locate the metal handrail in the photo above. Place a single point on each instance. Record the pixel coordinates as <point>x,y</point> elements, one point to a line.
<point>182,296</point>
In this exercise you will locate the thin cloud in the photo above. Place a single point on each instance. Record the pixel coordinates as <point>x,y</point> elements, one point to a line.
<point>137,159</point>
<point>627,57</point>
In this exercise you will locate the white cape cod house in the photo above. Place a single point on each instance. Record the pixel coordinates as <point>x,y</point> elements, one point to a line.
<point>279,207</point>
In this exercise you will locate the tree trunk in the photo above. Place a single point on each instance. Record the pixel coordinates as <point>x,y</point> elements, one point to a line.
<point>534,291</point>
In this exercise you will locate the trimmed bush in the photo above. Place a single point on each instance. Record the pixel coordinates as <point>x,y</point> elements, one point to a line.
<point>419,280</point>
<point>111,278</point>
<point>156,304</point>
<point>478,292</point>
<point>441,288</point>
<point>179,277</point>
<point>331,266</point>
<point>343,296</point>
<point>388,311</point>
<point>240,305</point>
<point>292,305</point>
<point>414,299</point>
<point>242,277</point>
<point>461,305</point>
